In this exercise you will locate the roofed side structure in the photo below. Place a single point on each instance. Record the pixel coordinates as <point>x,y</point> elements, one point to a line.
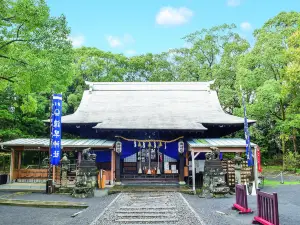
<point>71,143</point>
<point>150,105</point>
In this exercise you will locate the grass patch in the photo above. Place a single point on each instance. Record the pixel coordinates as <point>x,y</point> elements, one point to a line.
<point>275,183</point>
<point>278,169</point>
<point>272,169</point>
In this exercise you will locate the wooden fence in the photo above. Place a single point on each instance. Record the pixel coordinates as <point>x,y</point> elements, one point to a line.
<point>267,207</point>
<point>34,174</point>
<point>241,199</point>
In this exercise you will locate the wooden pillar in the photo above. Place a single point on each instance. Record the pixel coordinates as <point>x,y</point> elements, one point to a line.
<point>193,171</point>
<point>79,157</point>
<point>118,174</point>
<point>187,158</point>
<point>19,158</point>
<point>181,169</point>
<point>53,174</point>
<point>112,167</point>
<point>12,165</point>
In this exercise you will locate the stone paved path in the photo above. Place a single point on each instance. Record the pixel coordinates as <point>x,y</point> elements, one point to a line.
<point>148,208</point>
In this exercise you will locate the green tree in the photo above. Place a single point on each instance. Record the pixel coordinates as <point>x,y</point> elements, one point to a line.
<point>262,73</point>
<point>35,53</point>
<point>36,57</point>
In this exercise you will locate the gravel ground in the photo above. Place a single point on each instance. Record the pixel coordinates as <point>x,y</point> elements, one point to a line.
<point>289,207</point>
<point>288,196</point>
<point>49,216</point>
<point>12,215</point>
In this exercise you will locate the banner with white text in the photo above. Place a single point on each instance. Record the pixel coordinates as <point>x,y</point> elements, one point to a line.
<point>56,129</point>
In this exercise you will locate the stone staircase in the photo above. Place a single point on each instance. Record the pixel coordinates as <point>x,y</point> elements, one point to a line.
<point>152,208</point>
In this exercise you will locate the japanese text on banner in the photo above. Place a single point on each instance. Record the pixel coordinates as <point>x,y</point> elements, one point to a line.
<point>56,129</point>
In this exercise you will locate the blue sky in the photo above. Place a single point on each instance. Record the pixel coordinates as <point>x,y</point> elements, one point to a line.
<point>136,27</point>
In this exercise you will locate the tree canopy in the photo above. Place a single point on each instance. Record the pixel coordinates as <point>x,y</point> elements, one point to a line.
<point>37,58</point>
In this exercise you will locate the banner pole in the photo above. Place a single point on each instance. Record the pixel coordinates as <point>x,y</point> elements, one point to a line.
<point>255,168</point>
<point>50,141</point>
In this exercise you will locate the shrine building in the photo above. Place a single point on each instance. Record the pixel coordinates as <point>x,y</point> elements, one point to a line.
<point>141,132</point>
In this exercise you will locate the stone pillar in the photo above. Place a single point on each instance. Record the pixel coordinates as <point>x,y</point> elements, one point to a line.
<point>118,172</point>
<point>181,169</point>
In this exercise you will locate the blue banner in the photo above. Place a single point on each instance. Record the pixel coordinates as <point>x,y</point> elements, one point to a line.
<point>247,136</point>
<point>56,129</point>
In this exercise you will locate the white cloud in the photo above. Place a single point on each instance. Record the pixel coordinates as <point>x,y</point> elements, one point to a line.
<point>77,41</point>
<point>114,41</point>
<point>246,26</point>
<point>233,3</point>
<point>173,16</point>
<point>130,52</point>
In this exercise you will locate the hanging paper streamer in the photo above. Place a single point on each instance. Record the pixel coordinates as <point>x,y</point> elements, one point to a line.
<point>151,140</point>
<point>165,145</point>
<point>135,144</point>
<point>139,144</point>
<point>160,144</point>
<point>144,145</point>
<point>154,144</point>
<point>149,145</point>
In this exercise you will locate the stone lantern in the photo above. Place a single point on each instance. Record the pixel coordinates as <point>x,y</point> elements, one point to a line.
<point>64,168</point>
<point>238,167</point>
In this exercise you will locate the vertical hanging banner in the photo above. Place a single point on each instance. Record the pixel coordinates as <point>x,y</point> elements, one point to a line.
<point>56,129</point>
<point>258,156</point>
<point>247,136</point>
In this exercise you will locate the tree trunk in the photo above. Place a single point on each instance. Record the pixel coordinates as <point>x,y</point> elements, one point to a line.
<point>283,153</point>
<point>283,138</point>
<point>294,140</point>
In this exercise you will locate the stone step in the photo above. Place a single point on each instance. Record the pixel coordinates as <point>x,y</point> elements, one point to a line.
<point>150,221</point>
<point>148,207</point>
<point>168,215</point>
<point>162,211</point>
<point>149,198</point>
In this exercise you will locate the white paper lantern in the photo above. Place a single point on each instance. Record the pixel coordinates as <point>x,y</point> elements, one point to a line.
<point>180,147</point>
<point>118,147</point>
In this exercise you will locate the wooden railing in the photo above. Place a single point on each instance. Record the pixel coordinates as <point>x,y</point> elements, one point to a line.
<point>34,174</point>
<point>241,199</point>
<point>42,174</point>
<point>267,207</point>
